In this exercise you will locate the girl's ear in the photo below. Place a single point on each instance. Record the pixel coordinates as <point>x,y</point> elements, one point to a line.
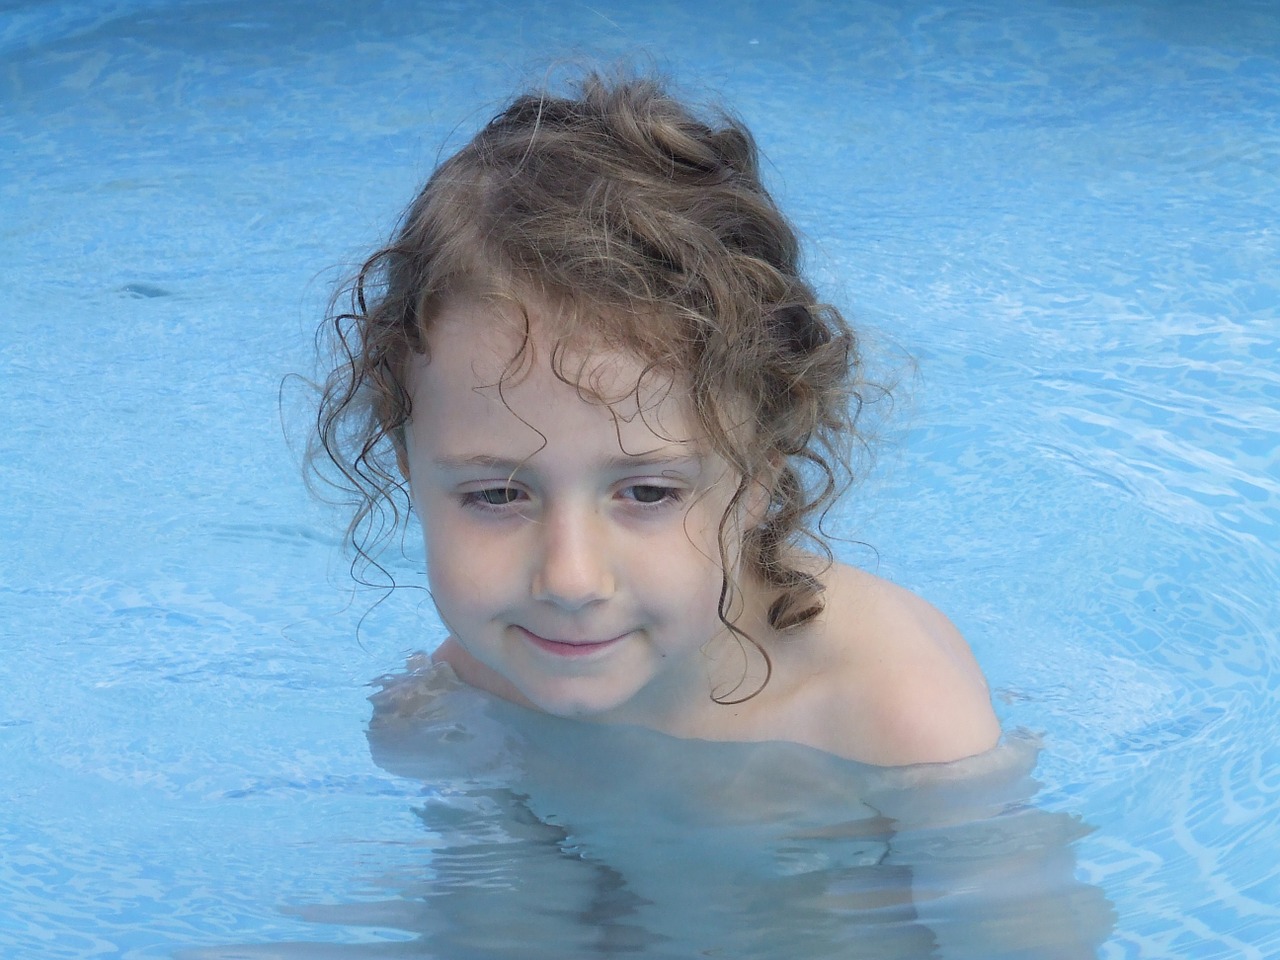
<point>399,437</point>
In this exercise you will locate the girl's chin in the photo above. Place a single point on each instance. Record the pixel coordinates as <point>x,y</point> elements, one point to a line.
<point>601,705</point>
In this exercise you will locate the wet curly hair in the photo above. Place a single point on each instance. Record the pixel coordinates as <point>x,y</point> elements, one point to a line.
<point>648,223</point>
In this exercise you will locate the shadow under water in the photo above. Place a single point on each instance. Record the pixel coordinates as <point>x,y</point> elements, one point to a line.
<point>556,839</point>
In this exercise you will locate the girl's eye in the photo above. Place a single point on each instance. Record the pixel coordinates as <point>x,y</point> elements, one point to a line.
<point>493,496</point>
<point>649,494</point>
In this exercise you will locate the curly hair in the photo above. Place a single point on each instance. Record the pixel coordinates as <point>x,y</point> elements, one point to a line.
<point>652,226</point>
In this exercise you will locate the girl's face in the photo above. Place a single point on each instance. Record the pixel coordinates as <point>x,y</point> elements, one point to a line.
<point>572,543</point>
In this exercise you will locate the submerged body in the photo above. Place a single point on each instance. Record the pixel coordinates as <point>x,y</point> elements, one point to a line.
<point>572,547</point>
<point>552,838</point>
<point>541,838</point>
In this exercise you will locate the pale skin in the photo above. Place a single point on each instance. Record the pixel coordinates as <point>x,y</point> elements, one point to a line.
<point>572,552</point>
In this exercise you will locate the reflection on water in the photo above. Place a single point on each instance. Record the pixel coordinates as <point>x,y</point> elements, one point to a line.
<point>554,839</point>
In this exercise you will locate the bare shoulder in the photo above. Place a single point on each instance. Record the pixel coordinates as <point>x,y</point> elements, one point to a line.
<point>898,677</point>
<point>415,693</point>
<point>411,693</point>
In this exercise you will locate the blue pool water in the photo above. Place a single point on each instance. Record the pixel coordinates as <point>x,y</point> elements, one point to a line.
<point>1062,213</point>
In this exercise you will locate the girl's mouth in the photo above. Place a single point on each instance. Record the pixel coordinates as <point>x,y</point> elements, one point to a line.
<point>568,648</point>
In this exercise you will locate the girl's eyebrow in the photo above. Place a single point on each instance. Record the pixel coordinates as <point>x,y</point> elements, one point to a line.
<point>657,458</point>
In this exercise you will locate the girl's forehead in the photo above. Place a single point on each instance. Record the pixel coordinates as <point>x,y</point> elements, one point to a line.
<point>506,352</point>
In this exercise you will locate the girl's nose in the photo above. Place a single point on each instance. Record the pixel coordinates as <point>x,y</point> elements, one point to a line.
<point>575,568</point>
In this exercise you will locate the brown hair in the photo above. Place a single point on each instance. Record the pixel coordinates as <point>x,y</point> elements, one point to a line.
<point>652,226</point>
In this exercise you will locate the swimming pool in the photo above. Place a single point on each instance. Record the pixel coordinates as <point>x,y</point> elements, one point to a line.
<point>1063,212</point>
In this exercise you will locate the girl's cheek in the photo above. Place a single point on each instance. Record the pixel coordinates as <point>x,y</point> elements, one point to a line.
<point>465,544</point>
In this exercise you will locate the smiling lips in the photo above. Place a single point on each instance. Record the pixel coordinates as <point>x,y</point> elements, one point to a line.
<point>568,648</point>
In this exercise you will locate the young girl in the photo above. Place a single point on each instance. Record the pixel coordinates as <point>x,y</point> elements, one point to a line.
<point>619,410</point>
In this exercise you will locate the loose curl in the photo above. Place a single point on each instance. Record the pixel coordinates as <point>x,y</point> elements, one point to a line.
<point>652,228</point>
